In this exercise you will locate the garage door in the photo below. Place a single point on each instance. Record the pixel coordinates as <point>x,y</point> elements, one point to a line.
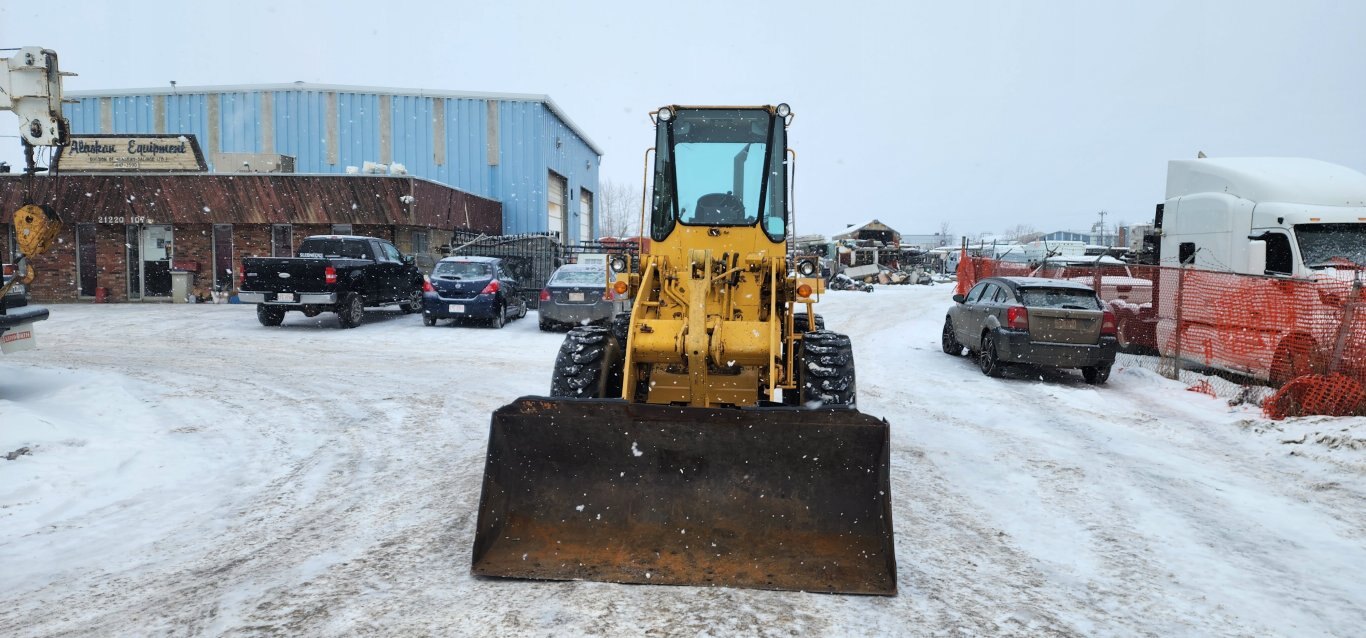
<point>555,218</point>
<point>585,216</point>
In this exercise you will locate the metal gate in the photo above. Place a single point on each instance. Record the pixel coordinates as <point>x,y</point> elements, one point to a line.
<point>532,257</point>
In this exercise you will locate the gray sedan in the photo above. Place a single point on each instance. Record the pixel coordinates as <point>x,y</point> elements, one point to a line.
<point>1027,320</point>
<point>577,294</point>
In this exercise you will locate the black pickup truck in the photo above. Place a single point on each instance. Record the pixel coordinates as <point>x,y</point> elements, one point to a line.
<point>332,273</point>
<point>16,314</point>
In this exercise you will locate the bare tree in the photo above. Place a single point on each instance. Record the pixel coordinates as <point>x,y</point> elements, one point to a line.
<point>1018,230</point>
<point>618,210</point>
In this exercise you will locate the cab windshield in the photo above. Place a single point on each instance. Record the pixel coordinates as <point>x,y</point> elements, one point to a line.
<point>1332,245</point>
<point>721,167</point>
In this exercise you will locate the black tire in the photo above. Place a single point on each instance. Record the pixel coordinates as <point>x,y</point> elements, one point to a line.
<point>1296,356</point>
<point>1096,375</point>
<point>428,320</point>
<point>949,341</point>
<point>589,364</point>
<point>269,316</point>
<point>521,314</point>
<point>351,311</point>
<point>987,360</point>
<point>800,325</point>
<point>499,317</point>
<point>546,325</point>
<point>825,364</point>
<point>621,326</point>
<point>413,304</point>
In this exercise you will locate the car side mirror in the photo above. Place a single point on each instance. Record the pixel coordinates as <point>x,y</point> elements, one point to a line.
<point>960,298</point>
<point>408,260</point>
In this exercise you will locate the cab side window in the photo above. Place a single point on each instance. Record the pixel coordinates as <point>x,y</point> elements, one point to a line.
<point>976,292</point>
<point>1279,259</point>
<point>989,294</point>
<point>389,252</point>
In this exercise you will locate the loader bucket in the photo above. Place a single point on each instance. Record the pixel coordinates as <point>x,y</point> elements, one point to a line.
<point>768,498</point>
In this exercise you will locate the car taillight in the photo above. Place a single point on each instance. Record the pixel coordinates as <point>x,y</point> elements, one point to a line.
<point>427,285</point>
<point>9,270</point>
<point>545,294</point>
<point>491,288</point>
<point>1108,325</point>
<point>608,296</point>
<point>1017,318</point>
<point>330,275</point>
<point>244,277</point>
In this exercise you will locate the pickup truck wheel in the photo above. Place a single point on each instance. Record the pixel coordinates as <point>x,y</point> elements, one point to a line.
<point>499,317</point>
<point>413,304</point>
<point>269,316</point>
<point>351,311</point>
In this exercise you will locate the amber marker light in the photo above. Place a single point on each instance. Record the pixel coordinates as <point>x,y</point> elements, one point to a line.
<point>620,287</point>
<point>804,290</point>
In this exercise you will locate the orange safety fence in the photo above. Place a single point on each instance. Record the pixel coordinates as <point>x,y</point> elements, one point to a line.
<point>1303,335</point>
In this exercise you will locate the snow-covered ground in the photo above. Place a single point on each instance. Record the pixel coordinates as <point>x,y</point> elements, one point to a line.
<point>191,472</point>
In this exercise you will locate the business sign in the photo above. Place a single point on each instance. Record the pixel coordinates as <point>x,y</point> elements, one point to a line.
<point>141,153</point>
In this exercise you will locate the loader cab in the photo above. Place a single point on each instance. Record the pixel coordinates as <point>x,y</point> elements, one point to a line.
<point>720,168</point>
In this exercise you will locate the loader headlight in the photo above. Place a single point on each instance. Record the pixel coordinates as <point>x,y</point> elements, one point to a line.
<point>618,263</point>
<point>784,110</point>
<point>806,268</point>
<point>666,114</point>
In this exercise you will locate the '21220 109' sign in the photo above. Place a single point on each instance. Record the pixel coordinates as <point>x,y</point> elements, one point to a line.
<point>173,152</point>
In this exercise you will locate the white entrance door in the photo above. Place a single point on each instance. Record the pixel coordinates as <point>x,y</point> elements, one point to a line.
<point>556,219</point>
<point>585,216</point>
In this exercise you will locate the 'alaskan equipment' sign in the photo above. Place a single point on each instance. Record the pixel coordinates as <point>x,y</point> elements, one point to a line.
<point>142,153</point>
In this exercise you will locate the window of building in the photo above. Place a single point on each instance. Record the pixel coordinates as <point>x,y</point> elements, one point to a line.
<point>222,257</point>
<point>87,273</point>
<point>281,240</point>
<point>420,242</point>
<point>341,229</point>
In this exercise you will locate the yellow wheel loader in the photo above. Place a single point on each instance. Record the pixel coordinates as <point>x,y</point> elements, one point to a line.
<point>709,436</point>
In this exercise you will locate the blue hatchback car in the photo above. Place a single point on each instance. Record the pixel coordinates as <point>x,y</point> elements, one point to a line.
<point>472,288</point>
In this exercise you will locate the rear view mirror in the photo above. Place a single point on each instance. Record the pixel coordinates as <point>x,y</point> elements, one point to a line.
<point>959,298</point>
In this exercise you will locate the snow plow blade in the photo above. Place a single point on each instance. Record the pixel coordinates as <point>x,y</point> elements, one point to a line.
<point>768,498</point>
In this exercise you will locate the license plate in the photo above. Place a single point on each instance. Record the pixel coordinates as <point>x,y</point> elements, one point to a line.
<point>285,296</point>
<point>17,339</point>
<point>1067,324</point>
<point>455,307</point>
<point>576,296</point>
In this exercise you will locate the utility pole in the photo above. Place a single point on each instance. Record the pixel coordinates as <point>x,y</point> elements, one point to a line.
<point>1102,228</point>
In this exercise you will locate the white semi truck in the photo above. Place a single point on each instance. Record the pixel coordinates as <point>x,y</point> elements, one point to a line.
<point>1295,230</point>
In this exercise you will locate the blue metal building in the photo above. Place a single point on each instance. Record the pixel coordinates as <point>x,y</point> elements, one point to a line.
<point>519,149</point>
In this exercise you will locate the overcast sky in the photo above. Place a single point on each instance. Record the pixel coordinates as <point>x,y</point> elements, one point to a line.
<point>981,115</point>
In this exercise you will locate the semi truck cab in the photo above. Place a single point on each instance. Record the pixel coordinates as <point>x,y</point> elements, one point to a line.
<point>1289,217</point>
